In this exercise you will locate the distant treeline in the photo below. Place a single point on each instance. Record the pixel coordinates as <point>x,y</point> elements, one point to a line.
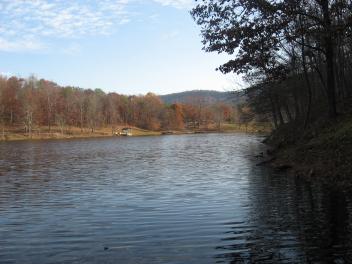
<point>296,54</point>
<point>30,102</point>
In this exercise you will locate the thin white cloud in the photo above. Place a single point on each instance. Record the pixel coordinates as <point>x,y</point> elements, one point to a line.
<point>72,49</point>
<point>21,20</point>
<point>26,24</point>
<point>21,44</point>
<point>171,35</point>
<point>181,4</point>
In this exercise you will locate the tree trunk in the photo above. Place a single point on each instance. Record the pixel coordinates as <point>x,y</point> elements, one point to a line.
<point>309,89</point>
<point>81,113</point>
<point>329,53</point>
<point>49,115</point>
<point>296,105</point>
<point>306,77</point>
<point>288,113</point>
<point>11,117</point>
<point>278,110</point>
<point>330,79</point>
<point>273,111</point>
<point>281,119</point>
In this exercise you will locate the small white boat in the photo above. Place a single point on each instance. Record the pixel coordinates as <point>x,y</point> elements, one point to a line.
<point>126,131</point>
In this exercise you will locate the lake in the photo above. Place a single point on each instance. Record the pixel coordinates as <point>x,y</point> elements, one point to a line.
<point>168,199</point>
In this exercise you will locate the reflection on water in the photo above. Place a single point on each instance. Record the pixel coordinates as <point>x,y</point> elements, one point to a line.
<point>291,221</point>
<point>172,199</point>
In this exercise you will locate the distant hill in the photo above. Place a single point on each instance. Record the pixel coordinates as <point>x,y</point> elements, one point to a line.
<point>208,96</point>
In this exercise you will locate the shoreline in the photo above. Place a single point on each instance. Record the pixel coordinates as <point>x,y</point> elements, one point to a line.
<point>322,154</point>
<point>42,133</point>
<point>12,136</point>
<point>15,137</point>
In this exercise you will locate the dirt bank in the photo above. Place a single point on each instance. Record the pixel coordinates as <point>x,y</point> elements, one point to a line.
<point>322,151</point>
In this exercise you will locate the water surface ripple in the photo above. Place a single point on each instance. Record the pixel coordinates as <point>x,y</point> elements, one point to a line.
<point>171,199</point>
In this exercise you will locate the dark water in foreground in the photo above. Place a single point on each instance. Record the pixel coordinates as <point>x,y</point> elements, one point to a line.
<point>173,199</point>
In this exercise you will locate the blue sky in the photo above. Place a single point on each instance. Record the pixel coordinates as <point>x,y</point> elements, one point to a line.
<point>125,46</point>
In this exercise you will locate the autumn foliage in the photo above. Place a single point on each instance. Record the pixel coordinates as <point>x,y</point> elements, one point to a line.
<point>295,54</point>
<point>30,103</point>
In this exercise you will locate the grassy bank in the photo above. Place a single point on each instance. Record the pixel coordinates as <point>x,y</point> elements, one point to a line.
<point>323,151</point>
<point>17,133</point>
<point>247,128</point>
<point>55,132</point>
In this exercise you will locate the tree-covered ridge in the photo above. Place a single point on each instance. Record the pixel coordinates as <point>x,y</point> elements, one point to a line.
<point>209,96</point>
<point>295,53</point>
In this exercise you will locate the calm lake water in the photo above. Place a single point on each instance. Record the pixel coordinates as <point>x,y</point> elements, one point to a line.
<point>172,199</point>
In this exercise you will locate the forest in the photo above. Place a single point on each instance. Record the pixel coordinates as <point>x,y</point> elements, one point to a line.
<point>297,57</point>
<point>32,104</point>
<point>296,54</point>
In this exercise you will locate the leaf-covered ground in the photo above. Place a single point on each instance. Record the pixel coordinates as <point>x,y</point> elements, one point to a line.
<point>323,151</point>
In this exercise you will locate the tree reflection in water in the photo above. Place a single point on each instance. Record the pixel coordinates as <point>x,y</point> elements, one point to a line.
<point>290,221</point>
